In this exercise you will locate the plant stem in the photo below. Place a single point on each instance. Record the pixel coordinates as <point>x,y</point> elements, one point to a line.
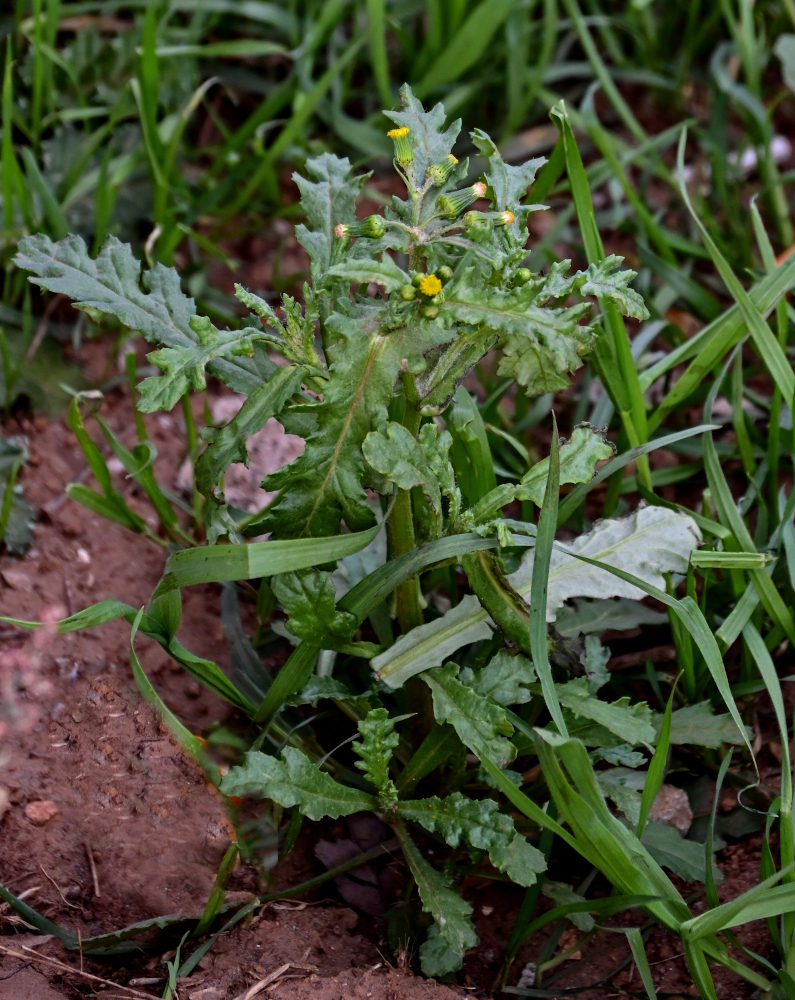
<point>400,527</point>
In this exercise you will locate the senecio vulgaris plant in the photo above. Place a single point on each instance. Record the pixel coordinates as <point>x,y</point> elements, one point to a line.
<point>396,478</point>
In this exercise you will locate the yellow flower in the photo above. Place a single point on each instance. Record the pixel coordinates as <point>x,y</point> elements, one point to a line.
<point>506,217</point>
<point>399,133</point>
<point>430,285</point>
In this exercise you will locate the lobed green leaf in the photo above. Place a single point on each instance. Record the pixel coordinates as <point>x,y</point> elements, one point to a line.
<point>294,780</point>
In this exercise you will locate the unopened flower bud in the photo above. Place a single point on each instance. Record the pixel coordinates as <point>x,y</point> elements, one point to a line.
<point>451,205</point>
<point>404,154</point>
<point>373,227</point>
<point>522,276</point>
<point>430,312</point>
<point>445,273</point>
<point>408,292</point>
<point>439,172</point>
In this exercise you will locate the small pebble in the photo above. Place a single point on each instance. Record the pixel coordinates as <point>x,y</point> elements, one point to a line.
<point>41,811</point>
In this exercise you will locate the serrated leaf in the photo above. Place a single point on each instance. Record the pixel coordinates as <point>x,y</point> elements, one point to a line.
<point>184,367</point>
<point>428,645</point>
<point>447,368</point>
<point>579,457</point>
<point>603,280</point>
<point>540,343</point>
<point>430,141</point>
<point>325,483</point>
<point>384,272</point>
<point>508,183</point>
<point>406,462</point>
<point>649,543</point>
<point>399,457</point>
<point>328,197</point>
<point>481,825</point>
<point>149,301</point>
<point>452,932</point>
<point>294,780</point>
<point>227,444</point>
<point>506,679</point>
<point>632,723</point>
<point>697,725</point>
<point>308,598</point>
<point>480,723</point>
<point>375,749</point>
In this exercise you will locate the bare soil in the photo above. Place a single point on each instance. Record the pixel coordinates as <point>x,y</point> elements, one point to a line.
<point>104,822</point>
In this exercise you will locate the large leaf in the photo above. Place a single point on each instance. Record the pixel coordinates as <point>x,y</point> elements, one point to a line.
<point>631,722</point>
<point>227,444</point>
<point>649,543</point>
<point>579,457</point>
<point>507,679</point>
<point>324,484</point>
<point>481,825</point>
<point>603,280</point>
<point>508,183</point>
<point>697,725</point>
<point>295,781</point>
<point>184,368</point>
<point>328,197</point>
<point>384,272</point>
<point>309,599</point>
<point>149,301</point>
<point>479,722</point>
<point>540,343</point>
<point>452,932</point>
<point>406,462</point>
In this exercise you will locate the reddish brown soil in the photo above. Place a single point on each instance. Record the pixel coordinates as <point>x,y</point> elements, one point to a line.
<point>107,822</point>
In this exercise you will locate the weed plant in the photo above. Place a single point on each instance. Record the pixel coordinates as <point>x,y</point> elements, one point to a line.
<point>455,685</point>
<point>414,564</point>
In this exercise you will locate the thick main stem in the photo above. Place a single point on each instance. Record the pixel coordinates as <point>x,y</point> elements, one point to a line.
<point>400,527</point>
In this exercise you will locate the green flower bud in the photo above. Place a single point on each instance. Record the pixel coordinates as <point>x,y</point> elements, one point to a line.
<point>372,228</point>
<point>522,276</point>
<point>430,312</point>
<point>439,172</point>
<point>451,205</point>
<point>444,273</point>
<point>408,292</point>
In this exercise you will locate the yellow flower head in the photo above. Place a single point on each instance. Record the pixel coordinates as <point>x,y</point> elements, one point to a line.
<point>506,217</point>
<point>404,154</point>
<point>430,285</point>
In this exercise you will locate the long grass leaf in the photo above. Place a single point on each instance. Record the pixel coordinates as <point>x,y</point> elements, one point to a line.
<point>545,539</point>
